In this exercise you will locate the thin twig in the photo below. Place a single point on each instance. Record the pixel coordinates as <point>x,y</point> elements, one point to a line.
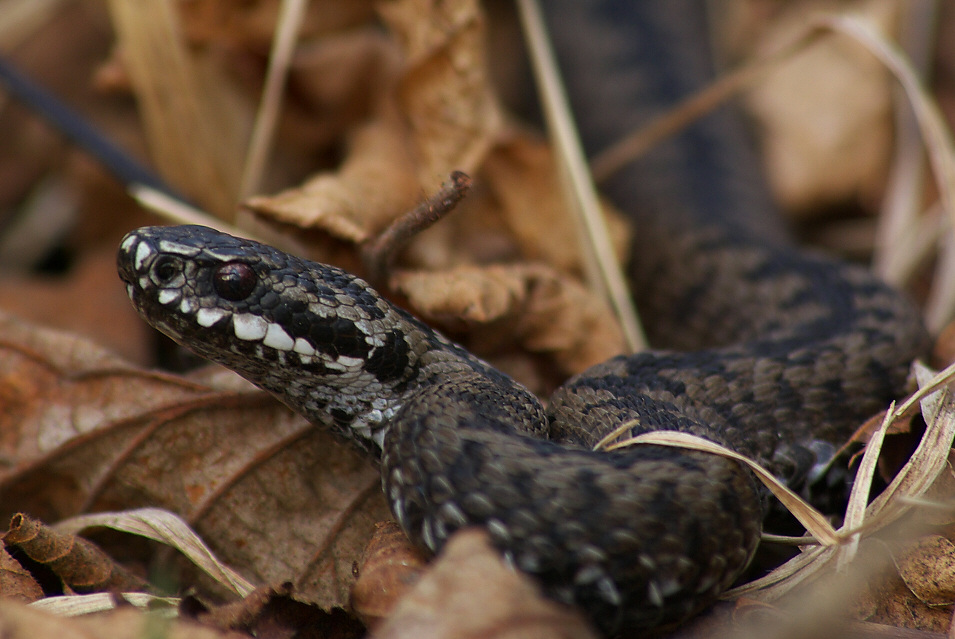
<point>378,252</point>
<point>674,120</point>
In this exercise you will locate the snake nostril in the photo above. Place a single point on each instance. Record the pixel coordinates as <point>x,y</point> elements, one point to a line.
<point>235,281</point>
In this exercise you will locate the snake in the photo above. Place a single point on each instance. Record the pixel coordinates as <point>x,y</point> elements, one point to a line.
<point>758,345</point>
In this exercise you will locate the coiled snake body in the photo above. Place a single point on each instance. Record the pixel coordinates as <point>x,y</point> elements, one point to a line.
<point>788,349</point>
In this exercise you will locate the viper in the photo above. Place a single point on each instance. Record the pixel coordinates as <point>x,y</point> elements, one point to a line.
<point>758,346</point>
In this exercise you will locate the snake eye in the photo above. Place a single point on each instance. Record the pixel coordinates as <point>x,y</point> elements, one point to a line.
<point>165,270</point>
<point>235,281</point>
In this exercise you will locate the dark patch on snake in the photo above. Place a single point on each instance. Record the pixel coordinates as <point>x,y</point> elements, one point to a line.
<point>768,350</point>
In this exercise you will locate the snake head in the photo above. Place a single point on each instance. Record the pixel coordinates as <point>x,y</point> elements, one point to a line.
<point>302,330</point>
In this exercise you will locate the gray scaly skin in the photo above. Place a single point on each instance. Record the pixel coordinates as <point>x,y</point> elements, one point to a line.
<point>638,537</point>
<point>770,352</point>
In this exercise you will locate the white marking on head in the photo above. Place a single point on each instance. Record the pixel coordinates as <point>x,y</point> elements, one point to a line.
<point>168,296</point>
<point>130,290</point>
<point>379,437</point>
<point>349,362</point>
<point>128,242</point>
<point>187,306</point>
<point>277,338</point>
<point>142,252</point>
<point>302,347</point>
<point>178,249</point>
<point>249,327</point>
<point>206,317</point>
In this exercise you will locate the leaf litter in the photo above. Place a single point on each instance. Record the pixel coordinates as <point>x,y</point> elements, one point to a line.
<point>89,432</point>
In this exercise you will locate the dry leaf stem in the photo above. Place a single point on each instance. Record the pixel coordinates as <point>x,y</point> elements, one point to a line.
<point>378,252</point>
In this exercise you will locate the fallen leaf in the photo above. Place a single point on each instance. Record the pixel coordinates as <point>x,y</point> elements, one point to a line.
<point>522,174</point>
<point>444,92</point>
<point>63,303</point>
<point>471,592</point>
<point>826,113</point>
<point>79,564</point>
<point>943,351</point>
<point>16,583</point>
<point>274,612</point>
<point>373,186</point>
<point>389,568</point>
<point>543,311</point>
<point>276,499</point>
<point>439,115</point>
<point>889,601</point>
<point>23,622</point>
<point>928,570</point>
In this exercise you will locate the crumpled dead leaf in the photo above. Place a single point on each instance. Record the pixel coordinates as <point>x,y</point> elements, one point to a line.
<point>274,612</point>
<point>276,499</point>
<point>445,92</point>
<point>439,114</point>
<point>826,113</point>
<point>389,568</point>
<point>373,185</point>
<point>79,564</point>
<point>896,599</point>
<point>445,602</point>
<point>928,570</point>
<point>18,621</point>
<point>522,174</point>
<point>16,583</point>
<point>542,310</point>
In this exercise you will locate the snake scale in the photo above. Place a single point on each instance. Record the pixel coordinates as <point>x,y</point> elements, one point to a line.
<point>762,348</point>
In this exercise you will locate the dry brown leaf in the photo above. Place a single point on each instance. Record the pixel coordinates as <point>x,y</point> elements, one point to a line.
<point>440,116</point>
<point>22,622</point>
<point>471,592</point>
<point>344,73</point>
<point>167,528</point>
<point>889,601</point>
<point>445,92</point>
<point>543,310</point>
<point>79,564</point>
<point>928,570</point>
<point>16,583</point>
<point>274,612</point>
<point>373,186</point>
<point>276,499</point>
<point>389,568</point>
<point>64,303</point>
<point>826,113</point>
<point>522,174</point>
